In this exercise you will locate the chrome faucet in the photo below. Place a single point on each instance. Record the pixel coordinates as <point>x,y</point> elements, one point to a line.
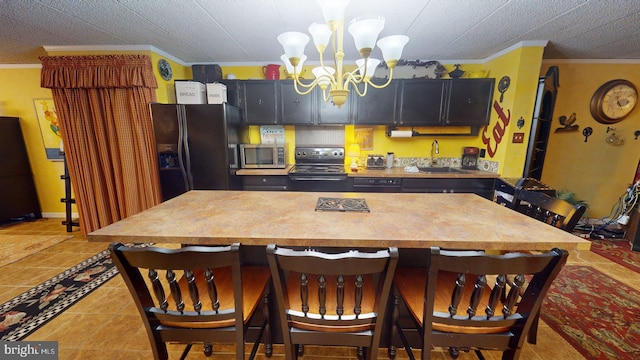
<point>435,149</point>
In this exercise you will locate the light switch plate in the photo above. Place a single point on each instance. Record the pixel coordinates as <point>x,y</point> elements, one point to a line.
<point>518,138</point>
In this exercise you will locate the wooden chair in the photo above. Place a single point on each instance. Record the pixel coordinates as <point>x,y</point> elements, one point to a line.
<point>548,209</point>
<point>478,282</point>
<point>212,297</point>
<point>331,299</point>
<point>551,210</point>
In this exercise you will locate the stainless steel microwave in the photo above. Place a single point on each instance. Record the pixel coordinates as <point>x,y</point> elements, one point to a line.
<point>262,156</point>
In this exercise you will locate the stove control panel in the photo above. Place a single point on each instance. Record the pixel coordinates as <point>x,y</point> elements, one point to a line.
<point>319,154</point>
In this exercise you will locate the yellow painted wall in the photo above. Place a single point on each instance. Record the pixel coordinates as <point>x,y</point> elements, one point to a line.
<point>522,66</point>
<point>450,146</point>
<point>166,92</point>
<point>597,172</point>
<point>18,88</point>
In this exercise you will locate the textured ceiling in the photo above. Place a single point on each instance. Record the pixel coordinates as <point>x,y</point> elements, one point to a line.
<point>245,31</point>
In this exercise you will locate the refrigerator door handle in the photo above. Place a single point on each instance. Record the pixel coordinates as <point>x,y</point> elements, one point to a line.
<point>187,153</point>
<point>181,137</point>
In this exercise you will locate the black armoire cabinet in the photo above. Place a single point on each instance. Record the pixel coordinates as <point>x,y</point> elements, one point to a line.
<point>17,190</point>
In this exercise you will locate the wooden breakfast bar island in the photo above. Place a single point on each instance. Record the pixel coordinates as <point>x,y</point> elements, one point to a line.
<point>339,221</point>
<point>403,220</point>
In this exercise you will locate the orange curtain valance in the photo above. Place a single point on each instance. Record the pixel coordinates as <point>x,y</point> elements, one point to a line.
<point>97,71</point>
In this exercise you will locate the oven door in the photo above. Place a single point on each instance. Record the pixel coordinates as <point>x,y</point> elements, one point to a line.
<point>330,183</point>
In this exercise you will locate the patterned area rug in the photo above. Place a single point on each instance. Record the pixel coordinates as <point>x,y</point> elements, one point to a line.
<point>596,314</point>
<point>28,311</point>
<point>15,247</point>
<point>617,251</point>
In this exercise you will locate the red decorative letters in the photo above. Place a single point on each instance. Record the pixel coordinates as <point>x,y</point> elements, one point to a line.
<point>498,129</point>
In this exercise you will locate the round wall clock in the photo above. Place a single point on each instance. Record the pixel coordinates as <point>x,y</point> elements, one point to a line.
<point>165,69</point>
<point>613,101</point>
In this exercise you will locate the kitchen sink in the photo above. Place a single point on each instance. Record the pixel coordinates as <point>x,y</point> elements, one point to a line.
<point>436,170</point>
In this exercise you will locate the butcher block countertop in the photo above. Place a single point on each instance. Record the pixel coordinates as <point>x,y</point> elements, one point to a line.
<point>396,172</point>
<point>258,218</point>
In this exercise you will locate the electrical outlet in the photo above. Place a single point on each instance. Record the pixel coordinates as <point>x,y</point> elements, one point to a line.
<point>518,138</point>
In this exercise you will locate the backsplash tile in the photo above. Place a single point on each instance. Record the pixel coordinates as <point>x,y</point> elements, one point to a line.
<point>485,165</point>
<point>320,135</point>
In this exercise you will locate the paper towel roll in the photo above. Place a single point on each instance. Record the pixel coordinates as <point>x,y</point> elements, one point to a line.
<point>401,133</point>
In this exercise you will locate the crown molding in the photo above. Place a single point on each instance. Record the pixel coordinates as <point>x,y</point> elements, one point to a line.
<point>521,44</point>
<point>590,61</point>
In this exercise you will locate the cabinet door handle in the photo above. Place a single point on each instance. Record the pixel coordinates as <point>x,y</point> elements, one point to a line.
<point>260,101</point>
<point>469,101</point>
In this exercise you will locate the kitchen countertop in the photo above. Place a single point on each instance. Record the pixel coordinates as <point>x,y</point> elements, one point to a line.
<point>395,172</point>
<point>264,172</point>
<point>398,172</point>
<point>289,218</point>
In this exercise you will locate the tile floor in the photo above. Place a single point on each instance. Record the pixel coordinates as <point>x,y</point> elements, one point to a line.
<point>106,325</point>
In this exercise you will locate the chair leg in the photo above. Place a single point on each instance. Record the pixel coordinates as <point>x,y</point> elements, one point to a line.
<point>300,350</point>
<point>532,336</point>
<point>185,352</point>
<point>454,352</point>
<point>391,351</point>
<point>208,349</point>
<point>361,353</point>
<point>268,343</point>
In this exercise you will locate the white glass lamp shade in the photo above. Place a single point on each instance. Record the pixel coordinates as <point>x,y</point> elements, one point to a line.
<point>323,74</point>
<point>290,68</point>
<point>365,33</point>
<point>321,34</point>
<point>372,64</point>
<point>333,10</point>
<point>293,44</point>
<point>392,47</point>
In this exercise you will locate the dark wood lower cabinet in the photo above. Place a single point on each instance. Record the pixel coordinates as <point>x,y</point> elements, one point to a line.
<point>479,186</point>
<point>265,183</point>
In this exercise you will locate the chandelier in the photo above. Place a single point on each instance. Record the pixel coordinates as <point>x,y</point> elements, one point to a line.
<point>334,78</point>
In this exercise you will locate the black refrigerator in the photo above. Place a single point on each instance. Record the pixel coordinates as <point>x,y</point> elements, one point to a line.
<point>197,147</point>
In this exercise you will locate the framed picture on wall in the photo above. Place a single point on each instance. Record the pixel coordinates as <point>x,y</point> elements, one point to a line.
<point>49,128</point>
<point>364,137</point>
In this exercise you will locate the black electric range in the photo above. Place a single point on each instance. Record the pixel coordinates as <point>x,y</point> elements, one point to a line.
<point>319,168</point>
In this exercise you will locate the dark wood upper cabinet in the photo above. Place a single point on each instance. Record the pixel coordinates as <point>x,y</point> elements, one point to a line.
<point>421,102</point>
<point>296,109</point>
<point>234,92</point>
<point>311,109</point>
<point>378,106</point>
<point>404,102</point>
<point>329,114</point>
<point>260,102</point>
<point>469,102</point>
